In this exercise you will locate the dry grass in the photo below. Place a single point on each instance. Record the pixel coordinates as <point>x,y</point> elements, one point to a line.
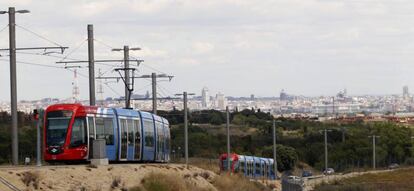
<point>207,164</point>
<point>31,179</point>
<point>91,166</point>
<point>162,182</point>
<point>395,180</point>
<point>116,182</point>
<point>237,182</point>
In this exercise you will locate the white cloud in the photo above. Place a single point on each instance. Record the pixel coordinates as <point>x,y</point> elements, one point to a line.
<point>202,47</point>
<point>148,6</point>
<point>300,38</point>
<point>187,62</point>
<point>93,8</point>
<point>148,52</point>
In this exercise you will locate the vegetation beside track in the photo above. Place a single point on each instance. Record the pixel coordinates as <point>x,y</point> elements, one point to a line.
<point>299,140</point>
<point>400,180</point>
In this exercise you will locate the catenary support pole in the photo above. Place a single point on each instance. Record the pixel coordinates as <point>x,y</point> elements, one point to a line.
<point>91,61</point>
<point>185,128</point>
<point>326,149</point>
<point>154,93</point>
<point>13,86</point>
<point>374,161</point>
<point>274,149</point>
<point>228,138</point>
<point>39,136</point>
<point>127,84</point>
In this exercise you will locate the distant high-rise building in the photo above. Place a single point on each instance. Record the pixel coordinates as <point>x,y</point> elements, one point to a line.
<point>406,94</point>
<point>283,96</point>
<point>252,97</point>
<point>221,101</point>
<point>205,98</point>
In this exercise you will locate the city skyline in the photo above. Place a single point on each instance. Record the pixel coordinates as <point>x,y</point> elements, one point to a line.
<point>234,47</point>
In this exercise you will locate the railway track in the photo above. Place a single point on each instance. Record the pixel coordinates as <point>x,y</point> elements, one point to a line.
<point>33,167</point>
<point>8,184</point>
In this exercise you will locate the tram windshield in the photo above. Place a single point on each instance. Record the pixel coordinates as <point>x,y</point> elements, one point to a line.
<point>57,124</point>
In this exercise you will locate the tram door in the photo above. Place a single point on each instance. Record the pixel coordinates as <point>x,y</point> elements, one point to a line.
<point>91,134</point>
<point>124,139</point>
<point>137,139</point>
<point>130,141</point>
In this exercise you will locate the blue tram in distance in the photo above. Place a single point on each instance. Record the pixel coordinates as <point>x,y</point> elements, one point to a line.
<point>130,135</point>
<point>249,166</point>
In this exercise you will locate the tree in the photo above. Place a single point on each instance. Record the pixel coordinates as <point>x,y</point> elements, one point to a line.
<point>216,119</point>
<point>286,156</point>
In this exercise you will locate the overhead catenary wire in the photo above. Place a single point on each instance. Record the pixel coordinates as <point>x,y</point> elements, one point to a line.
<point>104,44</point>
<point>48,66</point>
<point>151,68</point>
<point>38,35</point>
<point>33,64</point>
<point>41,54</point>
<point>134,57</point>
<point>4,28</point>
<point>106,84</point>
<point>144,87</point>
<point>75,49</point>
<point>170,92</point>
<point>110,69</point>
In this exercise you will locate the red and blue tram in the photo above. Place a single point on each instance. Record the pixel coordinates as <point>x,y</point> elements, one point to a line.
<point>130,135</point>
<point>249,166</point>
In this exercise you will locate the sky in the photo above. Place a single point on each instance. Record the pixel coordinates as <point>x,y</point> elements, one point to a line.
<point>236,47</point>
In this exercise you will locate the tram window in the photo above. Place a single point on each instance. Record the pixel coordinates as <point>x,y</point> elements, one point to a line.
<point>105,130</point>
<point>149,133</point>
<point>242,166</point>
<point>167,139</point>
<point>160,135</point>
<point>91,125</point>
<point>109,131</point>
<point>79,135</point>
<point>257,168</point>
<point>250,168</point>
<point>167,136</point>
<point>263,169</point>
<point>137,127</point>
<point>99,128</point>
<point>130,132</point>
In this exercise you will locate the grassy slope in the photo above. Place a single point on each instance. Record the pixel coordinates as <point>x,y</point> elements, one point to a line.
<point>396,180</point>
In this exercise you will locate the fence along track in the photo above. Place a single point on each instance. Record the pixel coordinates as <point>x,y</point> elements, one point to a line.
<point>8,184</point>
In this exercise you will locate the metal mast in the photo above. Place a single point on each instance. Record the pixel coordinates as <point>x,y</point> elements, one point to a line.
<point>91,60</point>
<point>228,138</point>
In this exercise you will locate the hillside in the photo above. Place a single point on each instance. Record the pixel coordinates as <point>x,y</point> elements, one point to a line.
<point>133,177</point>
<point>400,180</point>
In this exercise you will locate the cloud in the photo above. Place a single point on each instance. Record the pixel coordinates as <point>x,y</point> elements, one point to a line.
<point>202,47</point>
<point>187,62</point>
<point>93,8</point>
<point>279,39</point>
<point>149,52</point>
<point>149,6</point>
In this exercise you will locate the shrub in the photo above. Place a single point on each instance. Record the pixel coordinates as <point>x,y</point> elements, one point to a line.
<point>164,182</point>
<point>236,182</point>
<point>31,178</point>
<point>409,161</point>
<point>349,187</point>
<point>116,182</point>
<point>91,166</point>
